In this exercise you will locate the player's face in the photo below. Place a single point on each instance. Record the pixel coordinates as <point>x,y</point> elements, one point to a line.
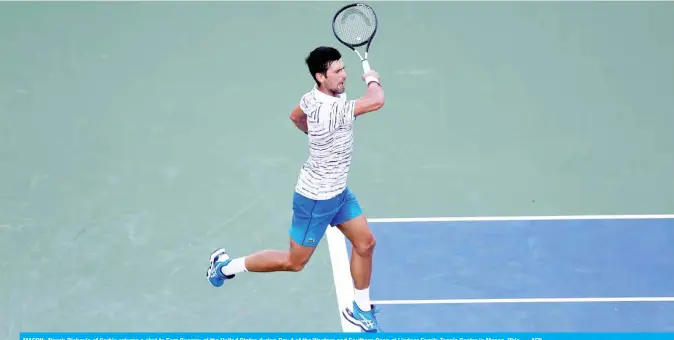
<point>335,77</point>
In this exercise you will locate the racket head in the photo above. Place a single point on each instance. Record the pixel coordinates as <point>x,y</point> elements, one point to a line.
<point>355,25</point>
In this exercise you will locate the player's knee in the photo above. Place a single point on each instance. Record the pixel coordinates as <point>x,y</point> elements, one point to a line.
<point>295,263</point>
<point>295,266</point>
<point>365,246</point>
<point>298,257</point>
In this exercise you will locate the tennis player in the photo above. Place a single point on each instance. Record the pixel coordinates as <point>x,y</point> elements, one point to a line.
<point>322,197</point>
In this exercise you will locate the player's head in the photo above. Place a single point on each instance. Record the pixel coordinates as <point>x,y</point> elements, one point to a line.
<point>326,67</point>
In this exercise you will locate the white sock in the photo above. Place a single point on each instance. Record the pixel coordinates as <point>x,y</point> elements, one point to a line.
<point>237,265</point>
<point>362,297</point>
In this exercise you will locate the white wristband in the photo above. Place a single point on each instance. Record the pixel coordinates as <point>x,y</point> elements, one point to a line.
<point>370,79</point>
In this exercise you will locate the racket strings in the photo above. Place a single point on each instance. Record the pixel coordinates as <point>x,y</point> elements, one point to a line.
<point>355,25</point>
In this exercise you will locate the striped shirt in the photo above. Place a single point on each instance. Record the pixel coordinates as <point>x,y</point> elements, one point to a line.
<point>329,121</point>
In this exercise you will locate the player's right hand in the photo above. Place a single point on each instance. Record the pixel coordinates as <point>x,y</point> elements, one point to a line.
<point>373,74</point>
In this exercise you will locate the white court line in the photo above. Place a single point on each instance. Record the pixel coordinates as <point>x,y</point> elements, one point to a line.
<point>520,218</point>
<point>341,273</point>
<point>526,300</point>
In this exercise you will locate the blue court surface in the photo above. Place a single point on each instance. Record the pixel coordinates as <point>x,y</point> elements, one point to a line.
<point>518,274</point>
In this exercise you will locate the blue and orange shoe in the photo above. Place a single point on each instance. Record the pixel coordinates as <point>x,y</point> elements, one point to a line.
<point>365,320</point>
<point>219,259</point>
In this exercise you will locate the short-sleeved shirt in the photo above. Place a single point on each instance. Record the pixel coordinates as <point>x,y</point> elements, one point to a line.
<point>330,126</point>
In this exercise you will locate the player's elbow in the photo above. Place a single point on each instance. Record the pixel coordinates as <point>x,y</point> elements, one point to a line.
<point>369,105</point>
<point>379,103</point>
<point>376,104</point>
<point>297,118</point>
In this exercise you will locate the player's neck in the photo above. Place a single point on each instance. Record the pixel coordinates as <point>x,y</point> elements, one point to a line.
<point>328,92</point>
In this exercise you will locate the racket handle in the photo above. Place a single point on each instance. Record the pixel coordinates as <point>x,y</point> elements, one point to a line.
<point>366,69</point>
<point>366,66</point>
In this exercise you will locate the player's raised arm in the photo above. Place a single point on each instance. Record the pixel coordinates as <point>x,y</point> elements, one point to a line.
<point>373,99</point>
<point>335,114</point>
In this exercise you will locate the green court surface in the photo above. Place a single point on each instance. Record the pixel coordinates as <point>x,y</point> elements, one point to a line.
<point>137,137</point>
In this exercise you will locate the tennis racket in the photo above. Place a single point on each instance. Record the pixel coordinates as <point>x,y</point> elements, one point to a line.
<point>355,25</point>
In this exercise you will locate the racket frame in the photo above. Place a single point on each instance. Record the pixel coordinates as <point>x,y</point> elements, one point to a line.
<point>364,61</point>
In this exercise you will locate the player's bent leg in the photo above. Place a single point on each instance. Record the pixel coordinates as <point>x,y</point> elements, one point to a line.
<point>309,222</point>
<point>222,267</point>
<point>293,260</point>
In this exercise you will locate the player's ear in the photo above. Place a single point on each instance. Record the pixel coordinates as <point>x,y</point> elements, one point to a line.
<point>320,77</point>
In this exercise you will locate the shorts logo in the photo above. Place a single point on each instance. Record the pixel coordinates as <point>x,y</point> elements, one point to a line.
<point>310,240</point>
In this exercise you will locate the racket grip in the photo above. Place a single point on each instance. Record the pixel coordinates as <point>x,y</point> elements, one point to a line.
<point>366,66</point>
<point>366,69</point>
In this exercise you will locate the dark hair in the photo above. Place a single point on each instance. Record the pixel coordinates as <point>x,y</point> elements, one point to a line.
<point>320,59</point>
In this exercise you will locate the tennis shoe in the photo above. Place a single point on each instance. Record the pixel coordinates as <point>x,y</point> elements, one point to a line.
<point>365,320</point>
<point>219,259</point>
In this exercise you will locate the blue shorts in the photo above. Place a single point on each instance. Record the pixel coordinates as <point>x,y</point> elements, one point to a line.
<point>312,217</point>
